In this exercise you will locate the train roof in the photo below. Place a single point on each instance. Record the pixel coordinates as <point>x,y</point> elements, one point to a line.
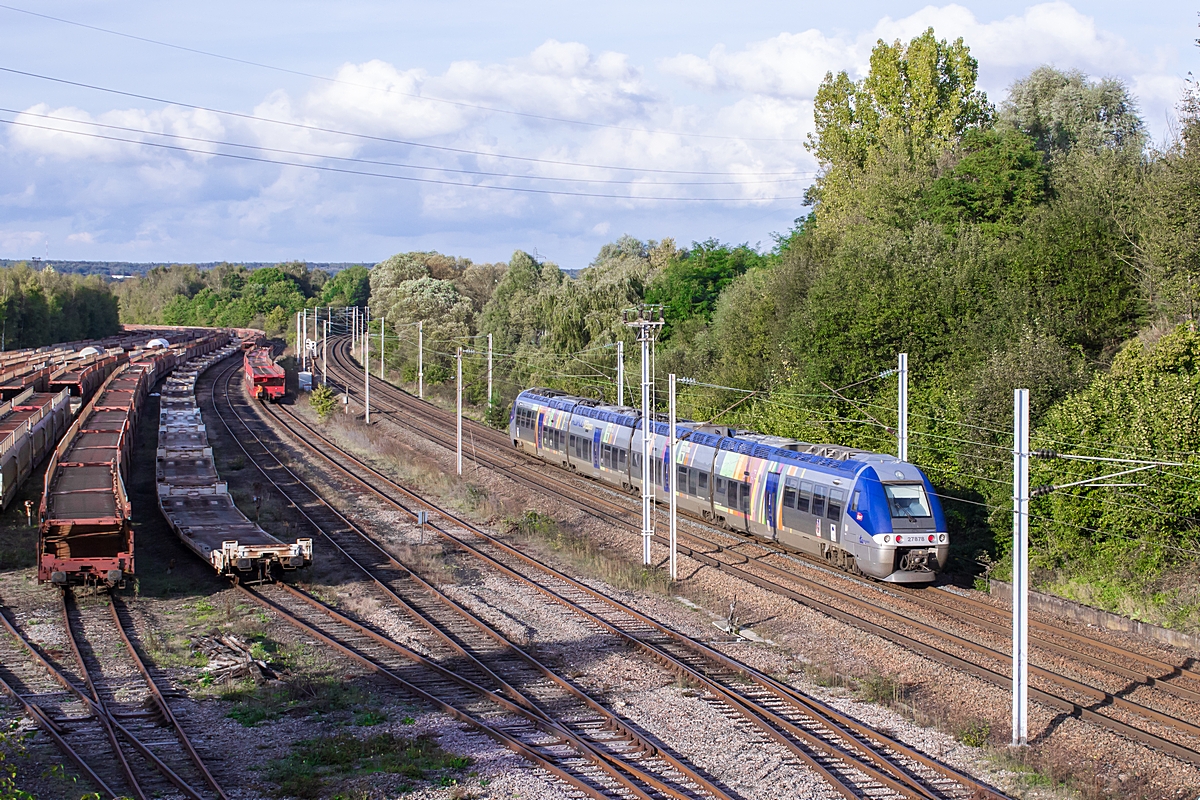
<point>835,458</point>
<point>266,370</point>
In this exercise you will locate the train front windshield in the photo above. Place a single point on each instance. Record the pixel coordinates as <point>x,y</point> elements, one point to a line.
<point>907,500</point>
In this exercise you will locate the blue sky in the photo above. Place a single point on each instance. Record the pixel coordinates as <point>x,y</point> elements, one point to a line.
<point>703,102</point>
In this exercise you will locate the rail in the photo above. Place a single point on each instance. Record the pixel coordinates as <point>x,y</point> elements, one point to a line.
<point>896,631</point>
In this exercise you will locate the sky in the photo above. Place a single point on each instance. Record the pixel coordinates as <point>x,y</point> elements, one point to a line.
<point>346,132</point>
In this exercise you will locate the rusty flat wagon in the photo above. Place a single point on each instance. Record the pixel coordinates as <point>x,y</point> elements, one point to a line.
<point>197,503</point>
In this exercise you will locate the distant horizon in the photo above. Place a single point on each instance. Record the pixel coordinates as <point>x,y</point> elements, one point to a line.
<point>141,267</point>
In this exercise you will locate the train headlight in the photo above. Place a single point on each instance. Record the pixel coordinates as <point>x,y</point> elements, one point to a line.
<point>942,537</point>
<point>887,539</point>
<point>931,538</point>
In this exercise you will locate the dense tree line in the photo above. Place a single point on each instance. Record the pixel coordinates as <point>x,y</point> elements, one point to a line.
<point>232,295</point>
<point>41,307</point>
<point>1041,243</point>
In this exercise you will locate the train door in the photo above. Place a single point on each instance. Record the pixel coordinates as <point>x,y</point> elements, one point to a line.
<point>538,436</point>
<point>772,493</point>
<point>667,469</point>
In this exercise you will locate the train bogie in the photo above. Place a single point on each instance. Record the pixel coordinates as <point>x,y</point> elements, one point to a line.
<point>865,512</point>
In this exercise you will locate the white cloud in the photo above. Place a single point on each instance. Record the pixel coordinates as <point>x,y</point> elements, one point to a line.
<point>81,238</point>
<point>18,242</point>
<point>72,134</point>
<point>788,65</point>
<point>792,65</point>
<point>752,111</point>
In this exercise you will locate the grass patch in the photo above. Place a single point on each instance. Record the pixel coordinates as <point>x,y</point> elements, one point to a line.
<point>315,763</point>
<point>882,689</point>
<point>976,733</point>
<point>584,555</point>
<point>299,697</point>
<point>367,719</point>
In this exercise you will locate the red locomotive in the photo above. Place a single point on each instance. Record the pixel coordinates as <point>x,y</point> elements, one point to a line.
<point>265,380</point>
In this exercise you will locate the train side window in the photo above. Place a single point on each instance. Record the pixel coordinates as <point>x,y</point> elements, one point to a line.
<point>836,498</point>
<point>720,489</point>
<point>854,502</point>
<point>587,449</point>
<point>790,486</point>
<point>818,501</point>
<point>692,482</point>
<point>681,473</point>
<point>702,483</point>
<point>621,456</point>
<point>573,445</point>
<point>733,494</point>
<point>745,498</point>
<point>635,460</point>
<point>804,497</point>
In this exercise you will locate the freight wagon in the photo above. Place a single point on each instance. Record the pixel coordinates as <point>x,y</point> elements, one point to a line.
<point>85,534</point>
<point>265,380</point>
<point>31,425</point>
<point>197,503</point>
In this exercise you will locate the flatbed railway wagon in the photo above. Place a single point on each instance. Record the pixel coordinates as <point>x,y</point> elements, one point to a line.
<point>265,380</point>
<point>196,502</point>
<point>30,426</point>
<point>868,513</point>
<point>20,379</point>
<point>85,535</point>
<point>82,379</point>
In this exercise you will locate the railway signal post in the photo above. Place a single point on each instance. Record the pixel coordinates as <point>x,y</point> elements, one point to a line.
<point>366,342</point>
<point>489,402</point>
<point>648,319</point>
<point>421,360</point>
<point>1020,579</point>
<point>325,354</point>
<point>902,427</point>
<point>382,321</point>
<point>459,426</point>
<point>620,372</point>
<point>670,480</point>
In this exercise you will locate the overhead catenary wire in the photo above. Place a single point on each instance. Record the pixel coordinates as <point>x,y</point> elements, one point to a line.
<point>389,90</point>
<point>405,178</point>
<point>365,136</point>
<point>383,163</point>
<point>951,471</point>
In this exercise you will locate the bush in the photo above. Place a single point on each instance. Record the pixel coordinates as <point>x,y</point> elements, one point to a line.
<point>323,401</point>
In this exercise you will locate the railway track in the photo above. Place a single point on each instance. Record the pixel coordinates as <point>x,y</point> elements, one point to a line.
<point>854,760</point>
<point>465,666</point>
<point>1159,722</point>
<point>104,711</point>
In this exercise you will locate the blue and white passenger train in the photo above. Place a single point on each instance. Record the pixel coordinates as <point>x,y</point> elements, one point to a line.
<point>863,512</point>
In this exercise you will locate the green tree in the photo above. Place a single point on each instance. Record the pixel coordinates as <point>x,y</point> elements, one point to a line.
<point>349,287</point>
<point>690,282</point>
<point>1061,110</point>
<point>996,181</point>
<point>916,102</point>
